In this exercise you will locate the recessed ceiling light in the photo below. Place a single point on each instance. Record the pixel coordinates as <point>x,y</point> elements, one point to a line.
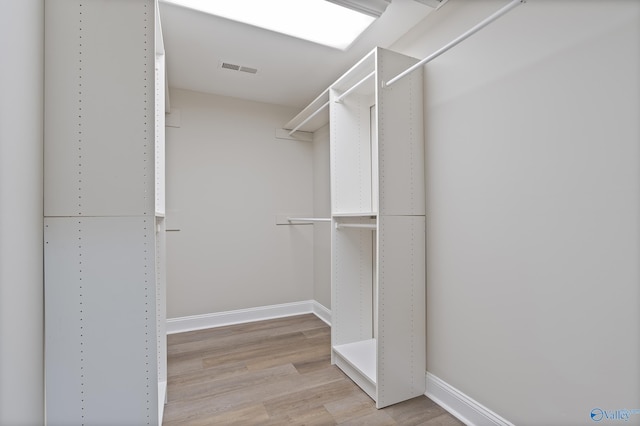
<point>318,21</point>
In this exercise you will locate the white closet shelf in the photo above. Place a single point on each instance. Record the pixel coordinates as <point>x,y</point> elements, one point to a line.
<point>361,356</point>
<point>314,116</point>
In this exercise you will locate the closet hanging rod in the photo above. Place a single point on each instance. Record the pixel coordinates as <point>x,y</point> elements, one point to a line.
<point>309,219</point>
<point>306,120</point>
<point>355,86</point>
<point>357,225</point>
<point>454,42</point>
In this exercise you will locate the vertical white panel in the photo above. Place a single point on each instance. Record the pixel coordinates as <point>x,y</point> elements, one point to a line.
<point>375,170</point>
<point>99,107</point>
<point>160,224</point>
<point>159,168</point>
<point>400,138</point>
<point>62,150</point>
<point>100,315</point>
<point>64,324</point>
<point>401,310</point>
<point>161,297</point>
<point>21,93</point>
<point>103,301</point>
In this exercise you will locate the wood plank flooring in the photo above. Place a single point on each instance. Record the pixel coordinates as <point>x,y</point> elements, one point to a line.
<point>275,372</point>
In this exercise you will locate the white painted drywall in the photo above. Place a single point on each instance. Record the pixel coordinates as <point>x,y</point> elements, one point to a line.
<point>228,177</point>
<point>533,206</point>
<point>321,208</point>
<point>21,221</point>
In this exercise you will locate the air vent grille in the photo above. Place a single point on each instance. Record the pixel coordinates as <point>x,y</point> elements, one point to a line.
<point>241,68</point>
<point>249,70</point>
<point>229,66</point>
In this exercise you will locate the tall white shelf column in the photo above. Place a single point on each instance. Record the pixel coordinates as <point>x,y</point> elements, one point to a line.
<point>105,345</point>
<point>378,318</point>
<point>378,239</point>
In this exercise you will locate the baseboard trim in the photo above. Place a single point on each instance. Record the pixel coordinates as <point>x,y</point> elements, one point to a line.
<point>466,409</point>
<point>321,312</point>
<point>219,319</point>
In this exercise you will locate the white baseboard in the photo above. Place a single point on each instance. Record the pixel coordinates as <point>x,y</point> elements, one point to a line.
<point>321,312</point>
<point>466,409</point>
<point>219,319</point>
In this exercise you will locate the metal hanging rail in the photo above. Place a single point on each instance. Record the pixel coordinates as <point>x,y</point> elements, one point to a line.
<point>306,120</point>
<point>354,87</point>
<point>372,226</point>
<point>309,219</point>
<point>469,33</point>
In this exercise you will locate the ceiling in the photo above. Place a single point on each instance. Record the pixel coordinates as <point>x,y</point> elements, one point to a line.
<point>291,71</point>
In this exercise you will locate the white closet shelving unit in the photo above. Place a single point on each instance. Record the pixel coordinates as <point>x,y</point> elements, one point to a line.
<point>105,341</point>
<point>378,330</point>
<point>378,237</point>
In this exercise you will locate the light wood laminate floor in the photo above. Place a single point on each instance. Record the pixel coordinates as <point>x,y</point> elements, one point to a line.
<point>275,372</point>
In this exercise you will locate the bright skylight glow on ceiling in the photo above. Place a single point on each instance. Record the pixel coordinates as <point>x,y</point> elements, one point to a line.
<point>318,21</point>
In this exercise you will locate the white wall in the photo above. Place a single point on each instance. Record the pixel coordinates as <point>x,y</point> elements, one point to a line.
<point>21,292</point>
<point>228,177</point>
<point>321,208</point>
<point>533,206</point>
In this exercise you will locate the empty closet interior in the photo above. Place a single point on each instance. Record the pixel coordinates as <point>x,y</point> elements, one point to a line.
<point>475,174</point>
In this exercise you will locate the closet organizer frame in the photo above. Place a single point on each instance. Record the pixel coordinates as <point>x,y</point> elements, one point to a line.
<point>378,240</point>
<point>104,255</point>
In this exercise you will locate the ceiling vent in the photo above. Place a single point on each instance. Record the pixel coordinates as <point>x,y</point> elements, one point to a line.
<point>241,68</point>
